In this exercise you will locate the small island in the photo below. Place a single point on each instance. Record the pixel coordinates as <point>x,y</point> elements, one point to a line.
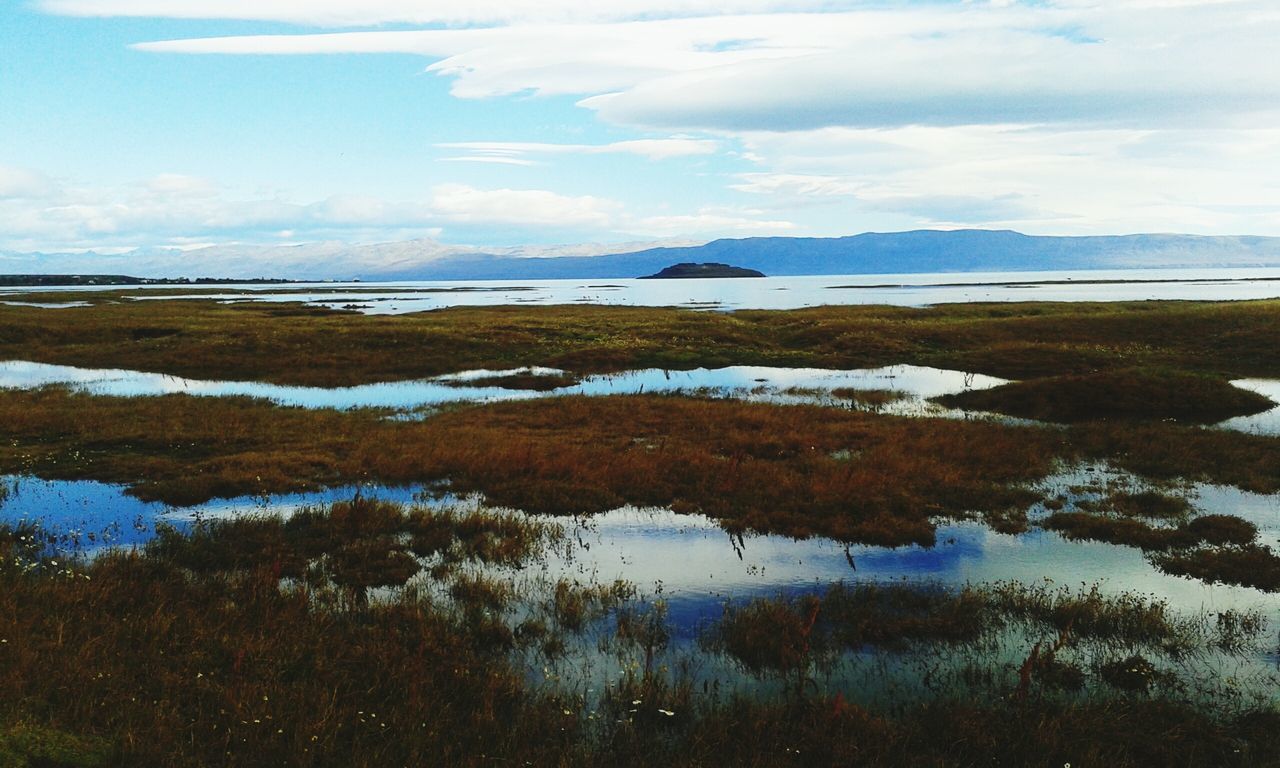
<point>687,270</point>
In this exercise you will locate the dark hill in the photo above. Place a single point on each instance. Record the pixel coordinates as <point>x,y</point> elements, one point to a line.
<point>688,270</point>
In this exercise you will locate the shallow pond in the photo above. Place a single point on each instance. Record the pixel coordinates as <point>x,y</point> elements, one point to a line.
<point>910,388</point>
<point>694,564</point>
<point>753,383</point>
<point>1265,423</point>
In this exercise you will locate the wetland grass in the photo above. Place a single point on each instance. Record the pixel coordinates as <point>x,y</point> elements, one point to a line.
<point>366,634</point>
<point>1147,504</point>
<point>754,467</point>
<point>165,657</point>
<point>796,470</point>
<point>294,344</point>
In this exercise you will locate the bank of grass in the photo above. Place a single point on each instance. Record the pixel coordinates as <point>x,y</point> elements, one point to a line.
<point>1249,565</point>
<point>206,652</point>
<point>295,344</point>
<point>1125,394</point>
<point>1213,530</point>
<point>1149,504</point>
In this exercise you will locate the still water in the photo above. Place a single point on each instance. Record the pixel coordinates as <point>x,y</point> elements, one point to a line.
<point>914,388</point>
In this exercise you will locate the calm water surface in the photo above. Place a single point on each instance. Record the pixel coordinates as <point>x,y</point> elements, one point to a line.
<point>762,293</point>
<point>751,383</point>
<point>781,386</point>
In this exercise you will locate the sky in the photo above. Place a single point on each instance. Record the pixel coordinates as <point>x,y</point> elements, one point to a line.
<point>183,123</point>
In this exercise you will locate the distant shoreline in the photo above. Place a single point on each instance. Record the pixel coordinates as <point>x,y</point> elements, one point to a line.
<point>67,281</point>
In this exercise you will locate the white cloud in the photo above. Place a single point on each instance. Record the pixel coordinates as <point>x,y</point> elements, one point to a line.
<point>490,159</point>
<point>957,64</point>
<point>652,149</point>
<point>179,184</point>
<point>23,183</point>
<point>176,211</point>
<point>1040,179</point>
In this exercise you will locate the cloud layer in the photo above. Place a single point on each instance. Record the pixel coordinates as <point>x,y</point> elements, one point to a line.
<point>813,116</point>
<point>1133,64</point>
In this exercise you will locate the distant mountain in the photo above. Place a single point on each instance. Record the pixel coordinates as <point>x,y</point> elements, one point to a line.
<point>875,253</point>
<point>871,253</point>
<point>410,259</point>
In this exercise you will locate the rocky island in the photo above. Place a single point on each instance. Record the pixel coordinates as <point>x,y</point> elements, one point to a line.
<point>711,269</point>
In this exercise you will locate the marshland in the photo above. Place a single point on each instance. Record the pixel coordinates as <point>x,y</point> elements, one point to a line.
<point>243,532</point>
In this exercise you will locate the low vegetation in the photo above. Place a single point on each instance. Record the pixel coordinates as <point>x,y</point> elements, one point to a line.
<point>1147,504</point>
<point>1248,565</point>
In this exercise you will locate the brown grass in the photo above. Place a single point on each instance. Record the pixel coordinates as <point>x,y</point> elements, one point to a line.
<point>751,466</point>
<point>1215,530</point>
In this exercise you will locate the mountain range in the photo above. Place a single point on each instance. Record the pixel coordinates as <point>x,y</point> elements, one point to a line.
<point>919,251</point>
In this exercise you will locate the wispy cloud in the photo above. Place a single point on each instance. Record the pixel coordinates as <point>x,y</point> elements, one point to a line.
<point>514,152</point>
<point>494,159</point>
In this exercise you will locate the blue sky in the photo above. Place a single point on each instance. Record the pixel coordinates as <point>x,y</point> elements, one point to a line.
<point>143,123</point>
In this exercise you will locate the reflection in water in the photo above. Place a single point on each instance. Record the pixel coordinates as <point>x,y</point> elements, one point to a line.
<point>914,387</point>
<point>692,562</point>
<point>1265,423</point>
<point>83,515</point>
